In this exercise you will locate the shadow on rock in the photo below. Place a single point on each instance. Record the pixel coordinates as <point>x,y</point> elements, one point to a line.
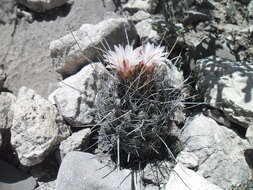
<point>50,15</point>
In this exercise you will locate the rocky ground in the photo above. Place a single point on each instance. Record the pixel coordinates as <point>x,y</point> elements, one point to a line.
<point>54,93</point>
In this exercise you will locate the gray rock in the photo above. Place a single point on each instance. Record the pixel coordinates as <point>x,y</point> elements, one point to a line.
<point>146,32</point>
<point>194,39</point>
<point>227,86</point>
<point>250,8</point>
<point>31,41</point>
<point>80,171</point>
<point>182,178</point>
<point>188,159</point>
<point>204,43</point>
<point>12,178</point>
<point>228,28</point>
<point>157,173</point>
<point>36,128</point>
<point>7,11</point>
<point>76,142</point>
<point>219,150</point>
<point>194,17</point>
<point>6,116</point>
<point>140,16</point>
<point>42,5</point>
<point>47,185</point>
<point>73,51</point>
<point>136,5</point>
<point>249,135</point>
<point>76,94</point>
<point>2,78</point>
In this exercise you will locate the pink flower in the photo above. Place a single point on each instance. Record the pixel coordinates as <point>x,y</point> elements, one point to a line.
<point>127,60</point>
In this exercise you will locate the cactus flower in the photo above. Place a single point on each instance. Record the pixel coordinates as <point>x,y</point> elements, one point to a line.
<point>127,60</point>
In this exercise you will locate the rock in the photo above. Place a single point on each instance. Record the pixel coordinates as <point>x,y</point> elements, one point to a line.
<point>2,77</point>
<point>182,178</point>
<point>153,176</point>
<point>42,5</point>
<point>194,17</point>
<point>15,179</point>
<point>188,159</point>
<point>146,31</point>
<point>227,86</point>
<point>26,46</point>
<point>76,94</point>
<point>71,52</point>
<point>76,142</point>
<point>140,16</point>
<point>217,116</point>
<point>193,39</point>
<point>249,135</point>
<point>7,11</point>
<point>204,43</point>
<point>219,150</point>
<point>228,28</point>
<point>145,5</point>
<point>47,186</point>
<point>245,185</point>
<point>80,171</point>
<point>36,129</point>
<point>6,116</point>
<point>250,8</point>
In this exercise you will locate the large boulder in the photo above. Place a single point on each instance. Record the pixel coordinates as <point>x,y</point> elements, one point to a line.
<point>37,127</point>
<point>73,51</point>
<point>76,142</point>
<point>42,5</point>
<point>76,95</point>
<point>220,151</point>
<point>80,171</point>
<point>227,85</point>
<point>182,178</point>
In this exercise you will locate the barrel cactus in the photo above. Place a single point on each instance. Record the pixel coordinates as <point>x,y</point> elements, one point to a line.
<point>138,105</point>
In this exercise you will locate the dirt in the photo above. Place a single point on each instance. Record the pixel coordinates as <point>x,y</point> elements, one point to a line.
<point>24,49</point>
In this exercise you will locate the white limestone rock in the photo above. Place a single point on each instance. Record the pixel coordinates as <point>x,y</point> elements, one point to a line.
<point>76,142</point>
<point>136,5</point>
<point>220,151</point>
<point>37,127</point>
<point>182,178</point>
<point>71,52</point>
<point>76,95</point>
<point>227,85</point>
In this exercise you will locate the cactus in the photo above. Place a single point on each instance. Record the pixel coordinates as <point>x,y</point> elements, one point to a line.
<point>137,106</point>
